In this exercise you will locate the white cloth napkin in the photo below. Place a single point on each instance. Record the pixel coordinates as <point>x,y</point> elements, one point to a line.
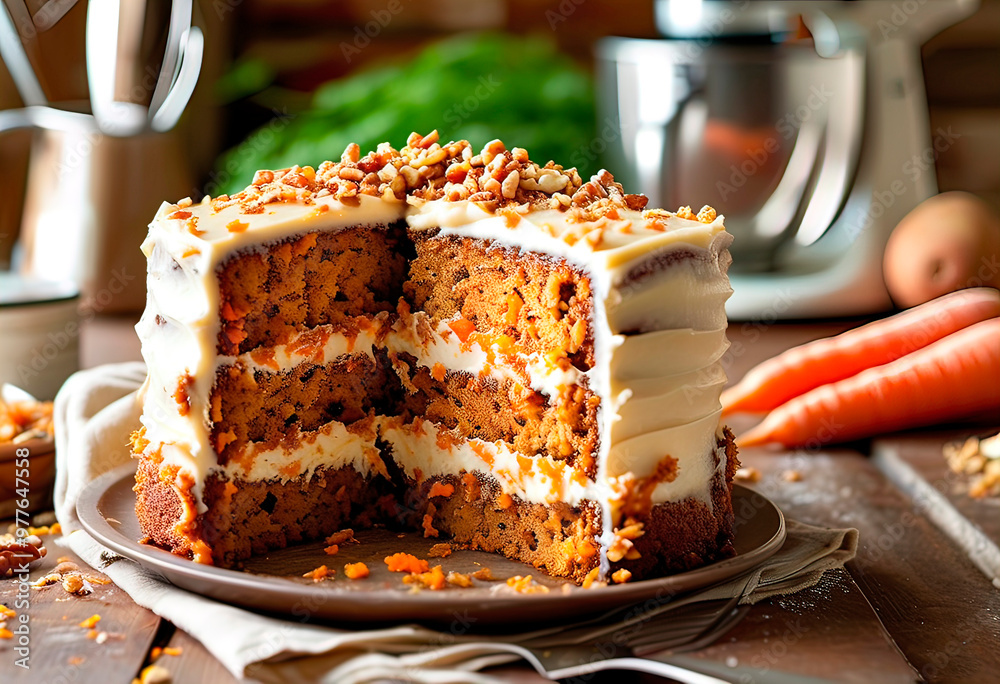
<point>95,413</point>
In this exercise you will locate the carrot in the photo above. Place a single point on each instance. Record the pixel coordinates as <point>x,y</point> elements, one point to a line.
<point>817,363</point>
<point>956,377</point>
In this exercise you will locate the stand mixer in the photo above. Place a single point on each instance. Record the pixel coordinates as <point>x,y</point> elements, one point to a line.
<point>804,122</point>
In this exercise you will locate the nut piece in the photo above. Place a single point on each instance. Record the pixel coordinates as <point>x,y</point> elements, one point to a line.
<point>16,554</point>
<point>747,474</point>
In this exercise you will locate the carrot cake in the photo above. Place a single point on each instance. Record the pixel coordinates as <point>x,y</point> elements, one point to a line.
<point>465,343</point>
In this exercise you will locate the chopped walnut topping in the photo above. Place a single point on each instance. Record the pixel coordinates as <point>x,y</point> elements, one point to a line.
<point>791,476</point>
<point>428,170</point>
<point>621,575</point>
<point>623,545</point>
<point>706,215</point>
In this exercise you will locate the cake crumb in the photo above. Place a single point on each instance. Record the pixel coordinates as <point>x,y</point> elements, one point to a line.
<point>747,474</point>
<point>428,522</point>
<point>165,650</point>
<point>591,581</point>
<point>433,579</point>
<point>621,575</point>
<point>459,579</point>
<point>319,574</point>
<point>526,585</point>
<point>440,551</point>
<point>153,674</point>
<point>338,539</point>
<point>54,528</point>
<point>405,562</point>
<point>345,536</point>
<point>356,571</point>
<point>484,574</point>
<point>91,621</point>
<point>791,476</point>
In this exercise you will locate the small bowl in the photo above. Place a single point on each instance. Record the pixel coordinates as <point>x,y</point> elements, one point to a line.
<point>40,475</point>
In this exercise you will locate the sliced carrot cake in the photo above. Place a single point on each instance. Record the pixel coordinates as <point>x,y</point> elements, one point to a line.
<point>459,342</point>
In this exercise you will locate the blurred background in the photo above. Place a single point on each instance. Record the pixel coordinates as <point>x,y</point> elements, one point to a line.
<point>815,127</point>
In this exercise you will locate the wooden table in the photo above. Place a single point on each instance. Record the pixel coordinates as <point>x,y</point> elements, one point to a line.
<point>913,605</point>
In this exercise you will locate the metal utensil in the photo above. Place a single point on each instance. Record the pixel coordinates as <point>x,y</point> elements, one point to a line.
<point>14,56</point>
<point>174,85</point>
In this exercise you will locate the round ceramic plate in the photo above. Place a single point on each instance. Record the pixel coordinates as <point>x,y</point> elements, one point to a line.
<point>274,583</point>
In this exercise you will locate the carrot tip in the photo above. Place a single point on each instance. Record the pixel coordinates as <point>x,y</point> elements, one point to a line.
<point>755,437</point>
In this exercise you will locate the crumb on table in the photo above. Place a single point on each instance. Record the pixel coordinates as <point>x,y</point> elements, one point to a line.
<point>440,551</point>
<point>747,474</point>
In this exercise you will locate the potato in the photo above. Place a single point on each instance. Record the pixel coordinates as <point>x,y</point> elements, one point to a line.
<point>948,242</point>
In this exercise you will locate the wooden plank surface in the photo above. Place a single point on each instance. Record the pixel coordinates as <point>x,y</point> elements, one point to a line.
<point>938,607</point>
<point>802,635</point>
<point>193,663</point>
<point>916,464</point>
<point>60,650</point>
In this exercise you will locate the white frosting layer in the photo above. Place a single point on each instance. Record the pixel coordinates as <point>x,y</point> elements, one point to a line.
<point>658,318</point>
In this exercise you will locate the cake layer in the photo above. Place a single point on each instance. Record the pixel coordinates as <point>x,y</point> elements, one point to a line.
<point>563,428</point>
<point>300,282</point>
<point>544,305</point>
<point>470,508</point>
<point>272,408</point>
<point>246,518</point>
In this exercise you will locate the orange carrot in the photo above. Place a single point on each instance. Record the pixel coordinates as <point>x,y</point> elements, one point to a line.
<point>817,363</point>
<point>955,377</point>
